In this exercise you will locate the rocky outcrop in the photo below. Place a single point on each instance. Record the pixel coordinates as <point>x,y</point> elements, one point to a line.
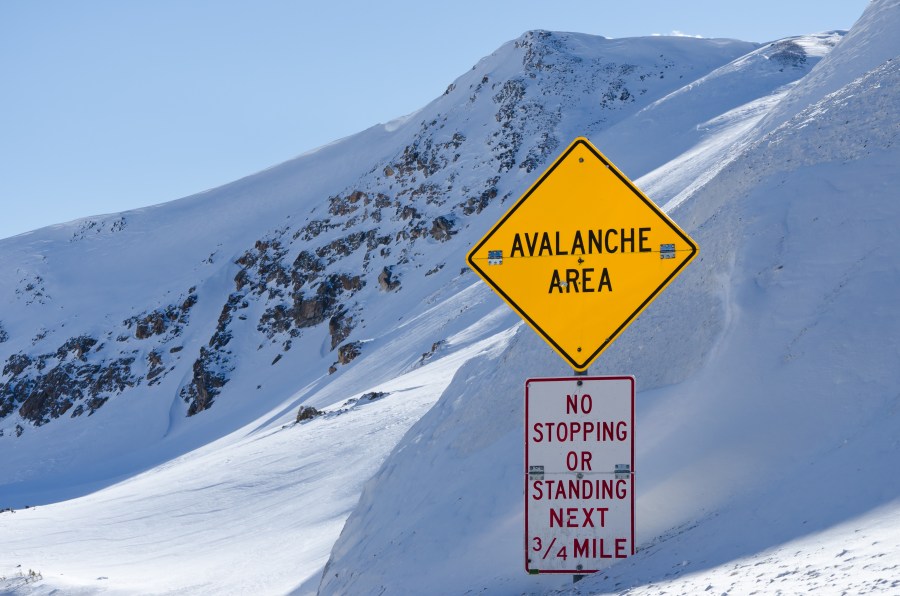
<point>425,155</point>
<point>83,373</point>
<point>339,327</point>
<point>155,367</point>
<point>476,204</point>
<point>442,228</point>
<point>346,354</point>
<point>96,227</point>
<point>206,383</point>
<point>349,352</point>
<point>308,310</point>
<point>74,377</point>
<point>212,367</point>
<point>262,269</point>
<point>387,281</point>
<point>344,205</point>
<point>307,413</point>
<point>426,356</point>
<point>223,334</point>
<point>160,321</point>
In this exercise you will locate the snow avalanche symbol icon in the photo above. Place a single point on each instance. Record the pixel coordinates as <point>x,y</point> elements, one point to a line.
<point>581,254</point>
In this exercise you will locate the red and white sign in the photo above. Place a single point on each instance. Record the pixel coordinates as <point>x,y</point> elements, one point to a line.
<point>579,473</point>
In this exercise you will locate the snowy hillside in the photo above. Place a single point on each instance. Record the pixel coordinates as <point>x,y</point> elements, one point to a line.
<point>155,362</point>
<point>201,316</point>
<point>767,465</point>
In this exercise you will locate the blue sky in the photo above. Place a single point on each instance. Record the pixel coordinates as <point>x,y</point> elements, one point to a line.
<point>111,105</point>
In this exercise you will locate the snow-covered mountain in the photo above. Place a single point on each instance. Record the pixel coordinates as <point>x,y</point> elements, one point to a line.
<point>196,396</point>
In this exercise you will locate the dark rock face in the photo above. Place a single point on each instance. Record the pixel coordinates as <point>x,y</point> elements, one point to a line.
<point>76,347</point>
<point>262,268</point>
<point>83,373</point>
<point>205,384</point>
<point>223,335</point>
<point>425,156</point>
<point>475,205</point>
<point>307,413</point>
<point>211,368</point>
<point>387,281</point>
<point>154,324</point>
<point>305,268</point>
<point>442,229</point>
<point>339,327</point>
<point>155,367</point>
<point>349,352</point>
<point>344,205</point>
<point>49,385</point>
<point>171,318</point>
<point>373,396</point>
<point>308,310</point>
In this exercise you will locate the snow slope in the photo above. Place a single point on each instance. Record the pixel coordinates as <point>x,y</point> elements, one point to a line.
<point>336,281</point>
<point>872,41</point>
<point>303,244</point>
<point>769,467</point>
<point>256,511</point>
<point>142,348</point>
<point>697,112</point>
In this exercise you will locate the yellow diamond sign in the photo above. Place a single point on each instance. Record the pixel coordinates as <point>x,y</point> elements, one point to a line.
<point>581,254</point>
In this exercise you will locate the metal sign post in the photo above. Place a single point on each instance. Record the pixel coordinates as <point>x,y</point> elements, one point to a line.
<point>578,577</point>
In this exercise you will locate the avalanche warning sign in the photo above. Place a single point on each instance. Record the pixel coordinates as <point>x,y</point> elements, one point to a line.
<point>581,254</point>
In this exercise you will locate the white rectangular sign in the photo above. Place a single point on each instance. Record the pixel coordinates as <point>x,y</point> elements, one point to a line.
<point>579,473</point>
